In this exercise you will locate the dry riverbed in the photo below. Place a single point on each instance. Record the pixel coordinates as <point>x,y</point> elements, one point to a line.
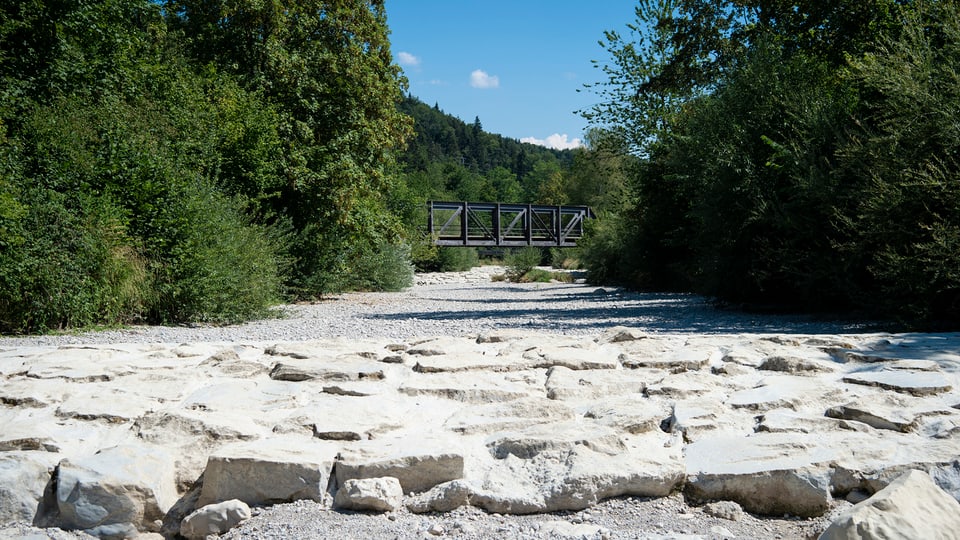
<point>470,304</point>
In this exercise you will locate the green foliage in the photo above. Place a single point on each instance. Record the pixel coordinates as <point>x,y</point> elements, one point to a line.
<point>458,259</point>
<point>384,267</point>
<point>773,171</point>
<point>76,269</point>
<point>194,160</point>
<point>442,138</point>
<point>907,214</point>
<point>521,261</point>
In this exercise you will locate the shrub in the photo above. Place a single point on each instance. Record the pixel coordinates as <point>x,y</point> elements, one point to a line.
<point>458,259</point>
<point>77,269</point>
<point>520,261</point>
<point>220,267</point>
<point>389,267</point>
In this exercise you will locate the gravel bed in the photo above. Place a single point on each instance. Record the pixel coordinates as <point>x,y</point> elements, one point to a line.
<point>456,304</point>
<point>622,517</point>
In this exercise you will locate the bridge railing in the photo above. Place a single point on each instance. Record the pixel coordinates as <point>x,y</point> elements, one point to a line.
<point>503,224</point>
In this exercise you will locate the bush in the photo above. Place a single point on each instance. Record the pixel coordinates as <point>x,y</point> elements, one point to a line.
<point>220,267</point>
<point>458,259</point>
<point>77,269</point>
<point>521,261</point>
<point>388,268</point>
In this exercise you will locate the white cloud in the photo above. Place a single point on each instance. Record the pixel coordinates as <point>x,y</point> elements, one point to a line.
<point>555,141</point>
<point>481,79</point>
<point>407,59</point>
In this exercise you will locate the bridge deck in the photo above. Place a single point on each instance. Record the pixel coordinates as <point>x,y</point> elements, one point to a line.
<point>502,224</point>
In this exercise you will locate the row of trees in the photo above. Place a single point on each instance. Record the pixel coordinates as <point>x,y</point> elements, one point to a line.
<point>193,160</point>
<point>797,154</point>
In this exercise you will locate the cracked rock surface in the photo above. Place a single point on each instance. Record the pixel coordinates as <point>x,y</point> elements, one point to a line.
<point>498,410</point>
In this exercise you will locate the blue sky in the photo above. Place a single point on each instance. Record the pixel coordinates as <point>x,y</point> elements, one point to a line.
<point>515,64</point>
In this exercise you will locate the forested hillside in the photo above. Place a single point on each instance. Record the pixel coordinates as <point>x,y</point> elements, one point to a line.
<point>800,155</point>
<point>441,138</point>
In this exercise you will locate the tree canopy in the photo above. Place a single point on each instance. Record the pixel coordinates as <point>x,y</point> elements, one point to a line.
<point>795,155</point>
<point>181,160</point>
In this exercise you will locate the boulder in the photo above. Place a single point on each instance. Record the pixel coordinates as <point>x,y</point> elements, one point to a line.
<point>377,494</point>
<point>418,463</point>
<point>268,472</point>
<point>576,475</point>
<point>912,506</point>
<point>768,474</point>
<point>443,497</point>
<point>23,476</point>
<point>116,493</point>
<point>214,519</point>
<point>728,510</point>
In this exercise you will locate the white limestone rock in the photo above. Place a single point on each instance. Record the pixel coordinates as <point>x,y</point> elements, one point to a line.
<point>382,494</point>
<point>631,414</point>
<point>917,383</point>
<point>575,476</point>
<point>768,474</point>
<point>621,334</point>
<point>418,463</point>
<point>326,369</point>
<point>119,492</point>
<point>796,365</point>
<point>564,383</point>
<point>877,412</point>
<point>508,415</point>
<point>791,421</point>
<point>779,391</point>
<point>582,357</point>
<point>266,472</point>
<point>468,387</point>
<point>488,360</point>
<point>443,497</point>
<point>728,510</point>
<point>23,477</point>
<point>684,359</point>
<point>214,519</point>
<point>912,506</point>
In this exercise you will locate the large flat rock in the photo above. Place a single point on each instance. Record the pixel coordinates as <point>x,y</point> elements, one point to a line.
<point>418,463</point>
<point>118,492</point>
<point>267,472</point>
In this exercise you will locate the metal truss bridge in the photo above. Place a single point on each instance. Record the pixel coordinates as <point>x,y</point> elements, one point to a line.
<point>507,225</point>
